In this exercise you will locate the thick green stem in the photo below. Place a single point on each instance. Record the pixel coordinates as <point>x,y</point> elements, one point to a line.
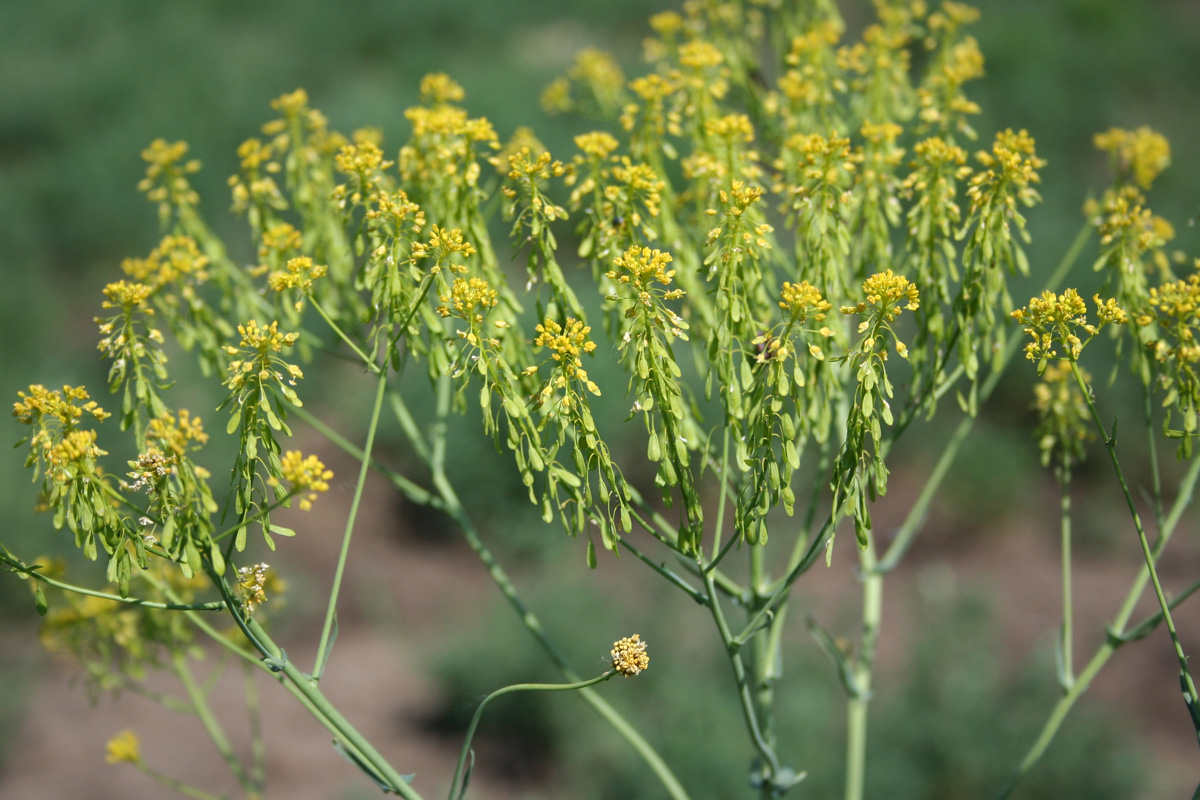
<point>519,687</point>
<point>857,702</point>
<point>1066,641</point>
<point>330,613</point>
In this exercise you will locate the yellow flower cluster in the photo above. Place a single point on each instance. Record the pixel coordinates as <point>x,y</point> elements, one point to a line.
<point>64,406</point>
<point>566,342</point>
<point>251,584</point>
<point>441,245</point>
<point>395,209</point>
<point>127,296</point>
<point>666,23</point>
<point>438,88</point>
<point>1053,319</point>
<point>629,656</point>
<point>299,273</point>
<point>803,301</point>
<point>1176,308</point>
<point>258,343</point>
<point>1121,215</point>
<point>177,435</point>
<point>597,145</point>
<point>150,467</point>
<point>281,238</point>
<point>598,70</point>
<point>643,266</point>
<point>824,158</point>
<point>166,180</point>
<point>639,179</point>
<point>1142,154</point>
<point>1012,163</point>
<point>362,158</point>
<point>73,453</point>
<point>307,476</point>
<point>176,259</point>
<point>889,293</point>
<point>522,165</point>
<point>731,127</point>
<point>467,298</point>
<point>124,747</point>
<point>700,55</point>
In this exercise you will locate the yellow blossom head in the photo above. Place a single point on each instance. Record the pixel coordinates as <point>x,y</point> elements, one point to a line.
<point>629,656</point>
<point>124,747</point>
<point>306,477</point>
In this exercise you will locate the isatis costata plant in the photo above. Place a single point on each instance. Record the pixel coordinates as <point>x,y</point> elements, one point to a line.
<point>777,237</point>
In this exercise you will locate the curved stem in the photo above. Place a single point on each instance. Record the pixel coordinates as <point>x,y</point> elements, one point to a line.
<point>453,508</point>
<point>518,687</point>
<point>324,647</point>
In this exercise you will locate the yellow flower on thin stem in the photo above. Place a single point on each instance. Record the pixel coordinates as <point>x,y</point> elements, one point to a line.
<point>629,656</point>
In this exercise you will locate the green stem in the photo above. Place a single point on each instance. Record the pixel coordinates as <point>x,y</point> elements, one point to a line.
<point>857,702</point>
<point>330,613</point>
<point>1066,641</point>
<point>258,750</point>
<point>24,569</point>
<point>518,687</point>
<point>1110,445</point>
<point>208,719</point>
<point>412,491</point>
<point>177,786</point>
<point>745,696</point>
<point>367,360</point>
<point>1116,631</point>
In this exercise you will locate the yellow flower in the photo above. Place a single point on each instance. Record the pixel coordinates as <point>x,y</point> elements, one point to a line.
<point>299,273</point>
<point>596,144</point>
<point>1142,153</point>
<point>307,476</point>
<point>629,656</point>
<point>124,747</point>
<point>803,301</point>
<point>438,88</point>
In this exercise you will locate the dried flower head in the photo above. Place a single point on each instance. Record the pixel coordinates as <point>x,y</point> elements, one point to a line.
<point>629,656</point>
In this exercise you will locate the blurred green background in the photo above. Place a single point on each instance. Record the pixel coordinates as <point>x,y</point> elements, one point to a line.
<point>84,86</point>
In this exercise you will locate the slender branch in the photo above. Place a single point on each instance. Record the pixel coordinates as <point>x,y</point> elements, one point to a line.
<point>24,569</point>
<point>1110,445</point>
<point>208,719</point>
<point>324,646</point>
<point>1115,638</point>
<point>519,687</point>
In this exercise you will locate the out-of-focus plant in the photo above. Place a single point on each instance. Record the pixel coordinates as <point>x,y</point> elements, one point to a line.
<point>812,175</point>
